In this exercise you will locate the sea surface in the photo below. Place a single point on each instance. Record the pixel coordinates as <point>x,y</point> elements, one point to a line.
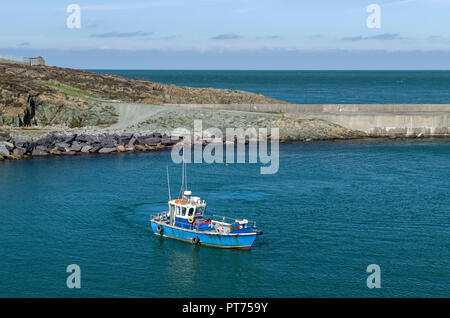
<point>332,209</point>
<point>316,87</point>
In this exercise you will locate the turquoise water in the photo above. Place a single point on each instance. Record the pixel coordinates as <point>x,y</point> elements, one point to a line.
<point>331,210</point>
<point>311,87</point>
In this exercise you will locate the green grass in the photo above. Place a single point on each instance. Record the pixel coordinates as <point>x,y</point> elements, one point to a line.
<point>71,91</point>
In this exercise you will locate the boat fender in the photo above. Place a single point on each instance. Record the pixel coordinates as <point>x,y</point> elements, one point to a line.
<point>160,228</point>
<point>191,219</point>
<point>195,240</point>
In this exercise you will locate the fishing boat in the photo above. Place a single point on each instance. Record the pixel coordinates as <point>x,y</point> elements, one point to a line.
<point>186,221</point>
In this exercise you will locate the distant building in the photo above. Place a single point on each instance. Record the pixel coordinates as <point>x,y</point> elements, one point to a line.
<point>37,61</point>
<point>32,61</point>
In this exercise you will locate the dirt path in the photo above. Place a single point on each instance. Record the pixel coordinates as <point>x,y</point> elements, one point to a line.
<point>132,114</point>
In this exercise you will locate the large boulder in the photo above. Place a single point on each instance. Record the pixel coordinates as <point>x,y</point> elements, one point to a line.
<point>108,141</point>
<point>151,141</point>
<point>107,150</point>
<point>125,138</point>
<point>82,138</point>
<point>76,146</point>
<point>108,138</point>
<point>46,141</point>
<point>21,143</point>
<point>92,139</point>
<point>55,151</point>
<point>42,148</point>
<point>133,141</point>
<point>4,151</point>
<point>8,145</point>
<point>126,135</point>
<point>37,152</point>
<point>86,149</point>
<point>95,148</point>
<point>70,138</point>
<point>59,138</point>
<point>167,140</point>
<point>62,146</point>
<point>24,144</point>
<point>19,151</point>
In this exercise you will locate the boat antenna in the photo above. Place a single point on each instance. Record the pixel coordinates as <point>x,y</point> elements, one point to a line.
<point>182,178</point>
<point>185,177</point>
<point>168,182</point>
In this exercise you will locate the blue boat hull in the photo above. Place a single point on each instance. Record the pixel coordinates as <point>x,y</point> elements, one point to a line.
<point>237,241</point>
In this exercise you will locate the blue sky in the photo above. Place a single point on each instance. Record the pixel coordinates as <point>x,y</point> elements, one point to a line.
<point>231,34</point>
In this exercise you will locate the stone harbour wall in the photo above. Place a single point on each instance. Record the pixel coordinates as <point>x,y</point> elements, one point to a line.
<point>373,119</point>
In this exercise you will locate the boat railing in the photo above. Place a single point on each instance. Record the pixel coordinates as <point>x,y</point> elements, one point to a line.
<point>221,218</point>
<point>214,217</point>
<point>159,214</point>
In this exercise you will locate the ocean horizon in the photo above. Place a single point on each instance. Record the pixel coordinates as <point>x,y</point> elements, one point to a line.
<point>313,87</point>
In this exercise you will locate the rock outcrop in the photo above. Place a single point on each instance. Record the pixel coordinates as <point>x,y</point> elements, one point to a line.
<point>24,101</point>
<point>42,95</point>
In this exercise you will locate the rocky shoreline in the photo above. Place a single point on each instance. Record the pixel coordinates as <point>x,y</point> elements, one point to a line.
<point>70,144</point>
<point>73,144</point>
<point>84,144</point>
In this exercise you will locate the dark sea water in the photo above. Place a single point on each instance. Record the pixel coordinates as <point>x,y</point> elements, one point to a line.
<point>331,210</point>
<point>316,87</point>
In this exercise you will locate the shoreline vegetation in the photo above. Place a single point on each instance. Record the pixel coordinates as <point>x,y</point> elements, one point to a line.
<point>47,111</point>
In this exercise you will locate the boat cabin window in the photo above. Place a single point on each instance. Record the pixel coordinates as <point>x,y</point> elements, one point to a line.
<point>183,211</point>
<point>191,212</point>
<point>199,210</point>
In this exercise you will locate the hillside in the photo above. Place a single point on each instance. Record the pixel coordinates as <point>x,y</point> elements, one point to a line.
<point>43,95</point>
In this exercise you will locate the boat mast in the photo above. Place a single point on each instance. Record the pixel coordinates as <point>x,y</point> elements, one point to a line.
<point>185,177</point>
<point>168,182</point>
<point>182,178</point>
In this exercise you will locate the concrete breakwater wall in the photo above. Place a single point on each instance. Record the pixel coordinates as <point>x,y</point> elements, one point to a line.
<point>373,119</point>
